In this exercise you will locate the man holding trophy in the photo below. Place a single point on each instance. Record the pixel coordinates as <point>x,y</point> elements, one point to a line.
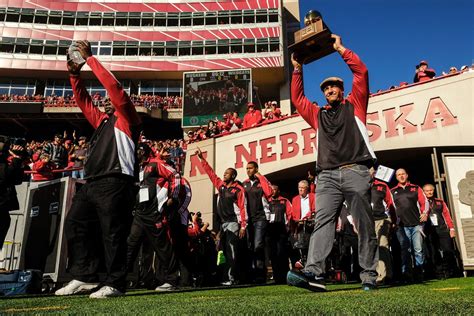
<point>343,161</point>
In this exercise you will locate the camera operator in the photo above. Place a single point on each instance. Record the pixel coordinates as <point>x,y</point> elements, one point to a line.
<point>11,174</point>
<point>202,250</point>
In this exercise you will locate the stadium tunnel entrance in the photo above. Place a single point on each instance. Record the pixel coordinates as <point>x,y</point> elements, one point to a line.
<point>418,162</point>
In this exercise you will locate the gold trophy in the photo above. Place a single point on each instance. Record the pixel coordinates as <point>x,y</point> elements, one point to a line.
<point>314,40</point>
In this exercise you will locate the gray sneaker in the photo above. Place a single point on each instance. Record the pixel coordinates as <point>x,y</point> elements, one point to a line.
<point>105,292</point>
<point>166,287</point>
<point>75,287</point>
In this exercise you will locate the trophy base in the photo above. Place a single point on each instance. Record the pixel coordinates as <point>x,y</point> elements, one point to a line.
<point>313,47</point>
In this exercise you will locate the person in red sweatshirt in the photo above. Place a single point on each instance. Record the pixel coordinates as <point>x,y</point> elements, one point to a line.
<point>303,207</point>
<point>343,160</point>
<point>232,215</point>
<point>109,192</point>
<point>253,117</point>
<point>43,169</point>
<point>423,73</point>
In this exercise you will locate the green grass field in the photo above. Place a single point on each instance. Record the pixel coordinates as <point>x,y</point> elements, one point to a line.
<point>448,297</point>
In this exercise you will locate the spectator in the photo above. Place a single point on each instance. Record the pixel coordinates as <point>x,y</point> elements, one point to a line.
<point>412,211</point>
<point>43,168</point>
<point>212,129</point>
<point>253,117</point>
<point>234,123</point>
<point>423,73</point>
<point>56,152</point>
<point>79,156</point>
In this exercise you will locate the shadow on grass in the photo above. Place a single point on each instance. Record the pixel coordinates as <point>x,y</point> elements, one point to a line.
<point>143,292</point>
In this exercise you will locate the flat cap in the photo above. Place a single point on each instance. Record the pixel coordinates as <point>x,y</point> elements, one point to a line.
<point>334,80</point>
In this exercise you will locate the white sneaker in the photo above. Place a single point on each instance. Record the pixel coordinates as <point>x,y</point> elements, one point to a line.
<point>228,283</point>
<point>106,291</point>
<point>74,287</point>
<point>166,287</point>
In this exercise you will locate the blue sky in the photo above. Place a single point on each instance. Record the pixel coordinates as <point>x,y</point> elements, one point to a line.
<point>391,37</point>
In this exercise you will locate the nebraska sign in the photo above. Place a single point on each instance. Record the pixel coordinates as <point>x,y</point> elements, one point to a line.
<point>438,113</point>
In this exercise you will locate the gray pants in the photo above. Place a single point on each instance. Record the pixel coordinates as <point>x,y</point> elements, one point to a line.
<point>351,184</point>
<point>230,232</point>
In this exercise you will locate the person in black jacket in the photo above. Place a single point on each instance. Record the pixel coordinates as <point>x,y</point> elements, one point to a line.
<point>11,174</point>
<point>108,196</point>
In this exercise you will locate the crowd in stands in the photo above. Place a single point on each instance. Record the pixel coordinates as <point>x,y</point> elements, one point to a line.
<point>146,100</point>
<point>65,155</point>
<point>231,122</point>
<point>423,73</point>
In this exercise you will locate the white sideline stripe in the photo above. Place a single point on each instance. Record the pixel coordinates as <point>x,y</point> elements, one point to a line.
<point>365,135</point>
<point>126,151</point>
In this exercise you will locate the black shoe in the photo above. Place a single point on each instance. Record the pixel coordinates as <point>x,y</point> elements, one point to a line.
<point>306,280</point>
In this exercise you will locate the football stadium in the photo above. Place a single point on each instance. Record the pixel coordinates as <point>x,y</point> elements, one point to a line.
<point>182,157</point>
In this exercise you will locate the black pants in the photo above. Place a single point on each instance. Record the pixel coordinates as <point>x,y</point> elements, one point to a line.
<point>441,253</point>
<point>350,257</point>
<point>256,233</point>
<point>106,202</point>
<point>4,225</point>
<point>158,235</point>
<point>277,240</point>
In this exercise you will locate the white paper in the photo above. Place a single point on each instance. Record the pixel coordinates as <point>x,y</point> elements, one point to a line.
<point>143,195</point>
<point>141,175</point>
<point>272,218</point>
<point>434,219</point>
<point>162,197</point>
<point>350,219</point>
<point>384,173</point>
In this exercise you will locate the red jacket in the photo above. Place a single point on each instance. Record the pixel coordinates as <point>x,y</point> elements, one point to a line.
<point>252,118</point>
<point>44,171</point>
<point>426,75</point>
<point>296,207</point>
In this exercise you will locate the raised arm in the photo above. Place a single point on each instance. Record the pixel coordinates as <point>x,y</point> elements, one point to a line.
<point>360,84</point>
<point>173,177</point>
<point>119,98</point>
<point>306,109</point>
<point>123,105</point>
<point>216,181</point>
<point>84,101</point>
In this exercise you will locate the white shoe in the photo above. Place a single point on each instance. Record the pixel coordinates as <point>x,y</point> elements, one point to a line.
<point>166,287</point>
<point>74,287</point>
<point>228,283</point>
<point>106,291</point>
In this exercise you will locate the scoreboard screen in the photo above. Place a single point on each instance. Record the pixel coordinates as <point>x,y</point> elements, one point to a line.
<point>209,95</point>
